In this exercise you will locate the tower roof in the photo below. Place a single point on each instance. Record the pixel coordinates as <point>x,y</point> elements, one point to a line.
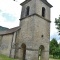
<point>44,1</point>
<point>48,4</point>
<point>26,1</point>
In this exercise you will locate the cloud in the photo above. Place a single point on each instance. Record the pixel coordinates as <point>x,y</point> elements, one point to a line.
<point>55,35</point>
<point>0,11</point>
<point>7,20</point>
<point>8,24</point>
<point>1,19</point>
<point>9,13</point>
<point>58,41</point>
<point>10,7</point>
<point>9,17</point>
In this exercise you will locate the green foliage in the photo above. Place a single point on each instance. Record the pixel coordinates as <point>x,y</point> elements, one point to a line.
<point>56,53</point>
<point>54,48</point>
<point>57,23</point>
<point>53,59</point>
<point>3,28</point>
<point>53,45</point>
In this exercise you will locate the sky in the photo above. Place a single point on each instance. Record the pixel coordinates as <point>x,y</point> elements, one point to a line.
<point>10,12</point>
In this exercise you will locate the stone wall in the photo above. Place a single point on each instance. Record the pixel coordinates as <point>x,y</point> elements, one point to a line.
<point>32,29</point>
<point>0,40</point>
<point>5,47</point>
<point>39,5</point>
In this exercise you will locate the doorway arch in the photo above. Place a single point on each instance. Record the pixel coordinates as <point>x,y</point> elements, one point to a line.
<point>23,48</point>
<point>40,52</point>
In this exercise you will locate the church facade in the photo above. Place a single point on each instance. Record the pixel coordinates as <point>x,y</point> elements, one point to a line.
<point>30,40</point>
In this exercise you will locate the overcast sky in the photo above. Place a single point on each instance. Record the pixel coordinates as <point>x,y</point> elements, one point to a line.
<point>10,13</point>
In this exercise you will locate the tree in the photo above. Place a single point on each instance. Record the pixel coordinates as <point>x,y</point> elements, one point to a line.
<point>56,53</point>
<point>57,23</point>
<point>53,46</point>
<point>59,45</point>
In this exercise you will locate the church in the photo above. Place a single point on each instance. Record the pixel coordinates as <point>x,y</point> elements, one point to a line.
<point>30,40</point>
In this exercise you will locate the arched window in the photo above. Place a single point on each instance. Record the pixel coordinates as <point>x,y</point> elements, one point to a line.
<point>43,11</point>
<point>27,10</point>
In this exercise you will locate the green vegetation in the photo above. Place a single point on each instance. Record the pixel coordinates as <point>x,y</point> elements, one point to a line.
<point>54,46</point>
<point>3,28</point>
<point>3,57</point>
<point>53,59</point>
<point>54,49</point>
<point>57,23</point>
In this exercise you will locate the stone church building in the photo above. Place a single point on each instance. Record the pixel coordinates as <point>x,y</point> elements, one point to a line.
<point>30,40</point>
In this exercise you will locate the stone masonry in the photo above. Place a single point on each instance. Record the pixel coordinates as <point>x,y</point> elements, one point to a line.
<point>24,42</point>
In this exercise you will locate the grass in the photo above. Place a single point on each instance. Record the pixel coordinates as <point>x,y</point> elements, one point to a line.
<point>53,59</point>
<point>3,57</point>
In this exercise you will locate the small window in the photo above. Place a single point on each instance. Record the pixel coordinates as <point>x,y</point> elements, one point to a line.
<point>43,11</point>
<point>27,11</point>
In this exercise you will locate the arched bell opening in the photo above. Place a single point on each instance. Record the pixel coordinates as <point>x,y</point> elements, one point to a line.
<point>27,10</point>
<point>43,11</point>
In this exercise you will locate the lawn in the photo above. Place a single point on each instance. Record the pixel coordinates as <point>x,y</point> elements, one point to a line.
<point>51,58</point>
<point>54,59</point>
<point>3,57</point>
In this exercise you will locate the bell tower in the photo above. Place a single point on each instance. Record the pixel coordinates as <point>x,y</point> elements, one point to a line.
<point>35,30</point>
<point>40,7</point>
